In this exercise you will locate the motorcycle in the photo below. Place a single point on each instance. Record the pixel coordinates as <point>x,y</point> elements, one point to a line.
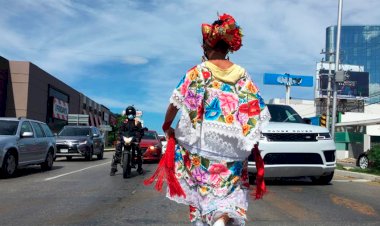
<point>130,145</point>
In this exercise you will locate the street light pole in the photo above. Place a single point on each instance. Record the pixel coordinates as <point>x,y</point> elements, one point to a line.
<point>287,89</point>
<point>340,6</point>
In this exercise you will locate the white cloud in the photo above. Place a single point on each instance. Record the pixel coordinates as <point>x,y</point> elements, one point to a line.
<point>162,38</point>
<point>135,60</point>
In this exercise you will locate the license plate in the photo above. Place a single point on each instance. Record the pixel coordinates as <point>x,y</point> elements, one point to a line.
<point>64,150</point>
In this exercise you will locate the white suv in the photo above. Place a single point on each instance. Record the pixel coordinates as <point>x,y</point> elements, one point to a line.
<point>292,148</point>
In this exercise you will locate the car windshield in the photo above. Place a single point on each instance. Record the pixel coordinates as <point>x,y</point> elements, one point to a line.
<point>284,113</point>
<point>71,131</point>
<point>149,136</point>
<point>8,127</point>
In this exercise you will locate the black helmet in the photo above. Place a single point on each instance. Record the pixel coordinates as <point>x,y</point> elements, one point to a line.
<point>130,110</point>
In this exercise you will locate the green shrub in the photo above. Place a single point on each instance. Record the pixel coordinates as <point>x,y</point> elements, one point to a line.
<point>374,156</point>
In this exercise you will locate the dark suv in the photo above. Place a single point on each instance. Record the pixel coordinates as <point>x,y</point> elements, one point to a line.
<point>80,141</point>
<point>25,142</point>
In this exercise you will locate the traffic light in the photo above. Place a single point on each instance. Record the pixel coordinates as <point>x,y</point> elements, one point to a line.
<point>322,120</point>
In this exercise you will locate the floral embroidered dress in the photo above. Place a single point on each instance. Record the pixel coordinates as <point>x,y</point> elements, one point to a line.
<point>222,117</point>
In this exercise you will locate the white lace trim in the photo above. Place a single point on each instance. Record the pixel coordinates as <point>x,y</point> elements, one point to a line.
<point>225,204</point>
<point>217,140</point>
<point>177,99</point>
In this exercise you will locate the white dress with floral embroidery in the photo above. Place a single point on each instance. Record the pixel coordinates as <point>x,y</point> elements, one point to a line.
<point>219,124</point>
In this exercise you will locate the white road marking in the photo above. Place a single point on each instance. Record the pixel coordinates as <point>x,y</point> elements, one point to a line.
<point>353,180</point>
<point>76,171</point>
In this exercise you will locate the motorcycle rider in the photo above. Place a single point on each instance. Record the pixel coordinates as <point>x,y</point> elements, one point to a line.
<point>131,127</point>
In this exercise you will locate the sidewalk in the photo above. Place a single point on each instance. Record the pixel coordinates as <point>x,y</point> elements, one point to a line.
<point>350,163</point>
<point>109,149</point>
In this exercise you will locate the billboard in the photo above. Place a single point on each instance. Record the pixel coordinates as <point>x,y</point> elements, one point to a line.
<point>287,79</point>
<point>355,84</point>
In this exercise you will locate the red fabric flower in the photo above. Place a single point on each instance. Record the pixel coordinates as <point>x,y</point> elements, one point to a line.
<point>200,112</point>
<point>227,31</point>
<point>206,74</point>
<point>186,160</point>
<point>251,108</point>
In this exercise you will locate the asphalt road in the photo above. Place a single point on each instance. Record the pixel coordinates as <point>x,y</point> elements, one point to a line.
<point>78,192</point>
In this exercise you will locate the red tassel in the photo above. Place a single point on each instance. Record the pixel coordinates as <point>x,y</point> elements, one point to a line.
<point>260,183</point>
<point>165,171</point>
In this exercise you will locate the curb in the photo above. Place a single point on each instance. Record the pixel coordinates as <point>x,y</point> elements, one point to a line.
<point>365,176</point>
<point>109,149</point>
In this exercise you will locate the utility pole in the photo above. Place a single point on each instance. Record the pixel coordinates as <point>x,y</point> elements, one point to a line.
<point>329,81</point>
<point>328,98</point>
<point>340,6</point>
<point>287,90</point>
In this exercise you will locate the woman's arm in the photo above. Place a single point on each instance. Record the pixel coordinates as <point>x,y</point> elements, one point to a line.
<point>171,112</point>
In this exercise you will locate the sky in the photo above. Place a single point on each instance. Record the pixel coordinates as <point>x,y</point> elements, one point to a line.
<point>134,52</point>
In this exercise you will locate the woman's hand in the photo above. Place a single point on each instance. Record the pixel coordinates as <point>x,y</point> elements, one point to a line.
<point>169,133</point>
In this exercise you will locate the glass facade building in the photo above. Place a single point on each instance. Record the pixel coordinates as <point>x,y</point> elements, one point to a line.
<point>359,45</point>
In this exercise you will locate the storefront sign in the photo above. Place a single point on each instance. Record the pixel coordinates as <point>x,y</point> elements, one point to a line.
<point>60,109</point>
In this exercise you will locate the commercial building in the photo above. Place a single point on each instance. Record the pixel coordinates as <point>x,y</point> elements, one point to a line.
<point>28,91</point>
<point>359,45</point>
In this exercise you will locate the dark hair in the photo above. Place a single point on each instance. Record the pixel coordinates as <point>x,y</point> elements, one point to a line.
<point>220,46</point>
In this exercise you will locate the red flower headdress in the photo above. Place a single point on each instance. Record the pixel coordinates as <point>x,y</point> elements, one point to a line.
<point>225,29</point>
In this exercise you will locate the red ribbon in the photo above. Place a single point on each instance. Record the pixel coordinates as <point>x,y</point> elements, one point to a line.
<point>165,172</point>
<point>260,183</point>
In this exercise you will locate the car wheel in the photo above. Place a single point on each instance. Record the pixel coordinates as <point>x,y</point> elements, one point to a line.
<point>9,166</point>
<point>100,155</point>
<point>68,158</point>
<point>323,180</point>
<point>89,154</point>
<point>48,164</point>
<point>363,162</point>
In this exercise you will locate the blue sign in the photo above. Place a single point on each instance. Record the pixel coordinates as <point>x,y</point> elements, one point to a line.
<point>290,80</point>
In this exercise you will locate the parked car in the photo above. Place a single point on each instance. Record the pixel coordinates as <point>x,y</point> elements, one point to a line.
<point>369,158</point>
<point>80,141</point>
<point>151,147</point>
<point>363,160</point>
<point>290,147</point>
<point>25,142</point>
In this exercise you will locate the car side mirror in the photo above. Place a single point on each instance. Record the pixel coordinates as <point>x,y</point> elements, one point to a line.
<point>307,120</point>
<point>27,135</point>
<point>162,138</point>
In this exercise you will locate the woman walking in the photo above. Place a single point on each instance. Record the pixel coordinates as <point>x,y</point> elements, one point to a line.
<point>222,115</point>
